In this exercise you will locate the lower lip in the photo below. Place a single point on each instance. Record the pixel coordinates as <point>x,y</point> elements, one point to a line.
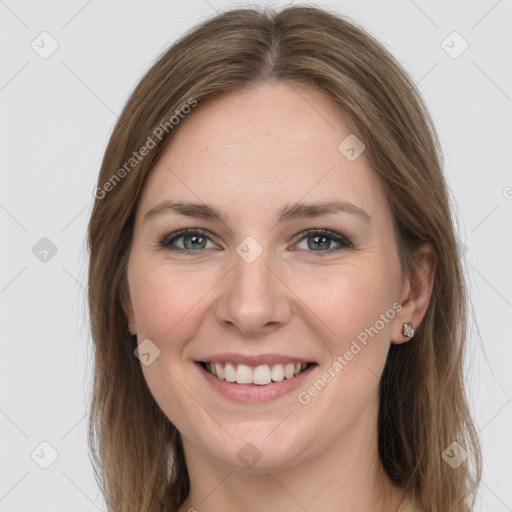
<point>246,393</point>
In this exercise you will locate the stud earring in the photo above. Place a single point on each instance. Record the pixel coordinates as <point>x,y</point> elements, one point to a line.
<point>408,330</point>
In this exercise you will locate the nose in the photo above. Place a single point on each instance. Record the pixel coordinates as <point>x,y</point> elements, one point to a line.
<point>254,298</point>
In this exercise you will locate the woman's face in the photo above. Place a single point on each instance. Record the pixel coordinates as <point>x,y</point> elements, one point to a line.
<point>254,289</point>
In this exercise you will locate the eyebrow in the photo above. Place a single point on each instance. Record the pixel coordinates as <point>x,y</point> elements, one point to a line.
<point>287,213</point>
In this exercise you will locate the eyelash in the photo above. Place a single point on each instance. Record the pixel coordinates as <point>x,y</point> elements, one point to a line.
<point>344,243</point>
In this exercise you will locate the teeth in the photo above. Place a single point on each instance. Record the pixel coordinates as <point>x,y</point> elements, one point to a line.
<point>229,372</point>
<point>261,375</point>
<point>243,374</point>
<point>277,372</point>
<point>289,370</point>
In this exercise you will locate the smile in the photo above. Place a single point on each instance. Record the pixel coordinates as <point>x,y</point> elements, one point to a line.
<point>247,384</point>
<point>261,375</point>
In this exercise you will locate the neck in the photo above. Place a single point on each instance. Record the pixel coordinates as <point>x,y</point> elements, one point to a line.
<point>348,474</point>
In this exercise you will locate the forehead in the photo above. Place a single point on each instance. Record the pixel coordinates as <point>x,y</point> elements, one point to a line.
<point>266,145</point>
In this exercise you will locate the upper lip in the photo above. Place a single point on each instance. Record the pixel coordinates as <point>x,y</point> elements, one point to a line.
<point>254,360</point>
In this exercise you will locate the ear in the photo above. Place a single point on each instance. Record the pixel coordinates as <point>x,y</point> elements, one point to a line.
<point>415,292</point>
<point>128,308</point>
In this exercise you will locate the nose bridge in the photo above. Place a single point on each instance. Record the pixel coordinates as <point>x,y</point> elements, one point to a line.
<point>253,296</point>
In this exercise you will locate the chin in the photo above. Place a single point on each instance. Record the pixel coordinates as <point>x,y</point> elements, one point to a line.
<point>253,450</point>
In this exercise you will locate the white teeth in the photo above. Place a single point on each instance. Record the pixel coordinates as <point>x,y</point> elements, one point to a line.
<point>261,375</point>
<point>219,371</point>
<point>289,370</point>
<point>243,374</point>
<point>229,372</point>
<point>277,372</point>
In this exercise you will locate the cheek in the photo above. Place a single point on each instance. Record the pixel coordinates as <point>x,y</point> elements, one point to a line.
<point>166,301</point>
<point>355,305</point>
<point>349,300</point>
<point>168,309</point>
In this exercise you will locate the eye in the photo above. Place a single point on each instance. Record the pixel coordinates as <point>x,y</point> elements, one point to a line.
<point>322,239</point>
<point>194,240</point>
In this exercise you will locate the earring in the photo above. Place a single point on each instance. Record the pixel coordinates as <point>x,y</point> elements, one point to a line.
<point>408,330</point>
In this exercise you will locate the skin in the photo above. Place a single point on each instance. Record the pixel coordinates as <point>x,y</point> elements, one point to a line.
<point>248,153</point>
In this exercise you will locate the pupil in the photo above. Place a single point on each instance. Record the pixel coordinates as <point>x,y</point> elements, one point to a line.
<point>323,238</point>
<point>194,238</point>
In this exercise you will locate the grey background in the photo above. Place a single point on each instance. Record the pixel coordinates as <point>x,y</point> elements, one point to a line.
<point>57,114</point>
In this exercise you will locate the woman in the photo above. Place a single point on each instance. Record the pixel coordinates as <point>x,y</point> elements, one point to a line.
<point>276,297</point>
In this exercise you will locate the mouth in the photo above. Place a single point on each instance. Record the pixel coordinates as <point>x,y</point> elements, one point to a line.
<point>260,375</point>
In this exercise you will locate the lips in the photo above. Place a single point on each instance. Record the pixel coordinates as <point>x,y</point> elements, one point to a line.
<point>248,393</point>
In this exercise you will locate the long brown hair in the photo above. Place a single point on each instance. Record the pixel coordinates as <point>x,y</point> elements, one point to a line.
<point>136,451</point>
